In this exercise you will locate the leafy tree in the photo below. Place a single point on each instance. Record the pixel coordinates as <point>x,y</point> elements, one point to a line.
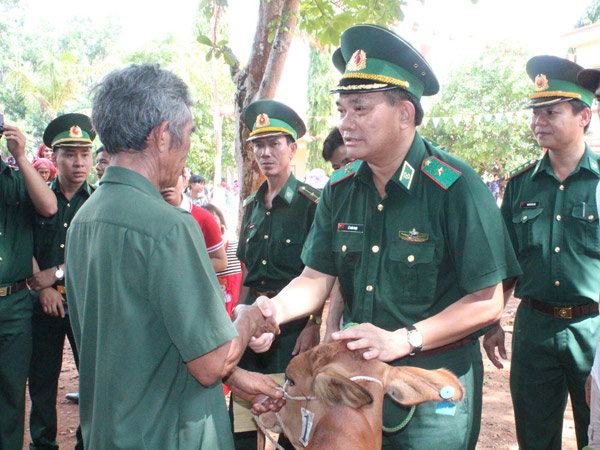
<point>486,87</point>
<point>590,16</point>
<point>321,104</point>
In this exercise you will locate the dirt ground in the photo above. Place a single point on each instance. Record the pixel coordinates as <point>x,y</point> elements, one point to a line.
<point>497,427</point>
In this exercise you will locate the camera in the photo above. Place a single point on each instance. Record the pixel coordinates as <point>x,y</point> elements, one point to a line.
<point>1,124</point>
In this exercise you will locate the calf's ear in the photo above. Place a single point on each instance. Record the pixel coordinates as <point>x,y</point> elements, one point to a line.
<point>333,389</point>
<point>412,385</point>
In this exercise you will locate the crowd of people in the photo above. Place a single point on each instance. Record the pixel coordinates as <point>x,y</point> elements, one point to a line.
<point>405,240</point>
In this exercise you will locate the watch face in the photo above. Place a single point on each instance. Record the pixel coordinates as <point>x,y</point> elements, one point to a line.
<point>59,273</point>
<point>415,339</point>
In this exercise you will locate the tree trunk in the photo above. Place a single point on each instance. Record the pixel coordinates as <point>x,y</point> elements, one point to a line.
<point>259,79</point>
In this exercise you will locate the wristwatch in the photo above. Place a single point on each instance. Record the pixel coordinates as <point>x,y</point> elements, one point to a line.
<point>315,319</point>
<point>415,340</point>
<point>59,274</point>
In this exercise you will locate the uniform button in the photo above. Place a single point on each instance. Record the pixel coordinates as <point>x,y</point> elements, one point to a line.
<point>268,213</point>
<point>65,225</point>
<point>369,288</point>
<point>562,187</point>
<point>559,217</point>
<point>557,283</point>
<point>590,217</point>
<point>266,236</point>
<point>411,258</point>
<point>525,218</point>
<point>264,262</point>
<point>0,233</point>
<point>262,282</point>
<point>0,258</point>
<point>380,207</point>
<point>375,248</point>
<point>68,205</point>
<point>557,250</point>
<point>287,241</point>
<point>344,248</point>
<point>247,239</point>
<point>62,245</point>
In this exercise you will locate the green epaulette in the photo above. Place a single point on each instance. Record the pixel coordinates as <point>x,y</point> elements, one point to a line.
<point>594,164</point>
<point>345,172</point>
<point>248,199</point>
<point>440,172</point>
<point>522,168</point>
<point>310,193</point>
<point>434,144</point>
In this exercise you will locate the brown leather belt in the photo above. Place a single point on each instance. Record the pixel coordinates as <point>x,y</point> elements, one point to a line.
<point>10,289</point>
<point>563,312</point>
<point>61,288</point>
<point>269,294</point>
<point>444,348</point>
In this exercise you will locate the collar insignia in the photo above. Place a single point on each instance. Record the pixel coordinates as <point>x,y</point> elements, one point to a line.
<point>75,132</point>
<point>541,82</point>
<point>262,120</point>
<point>358,61</point>
<point>406,176</point>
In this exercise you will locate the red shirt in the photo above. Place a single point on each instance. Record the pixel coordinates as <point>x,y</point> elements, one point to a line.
<point>208,225</point>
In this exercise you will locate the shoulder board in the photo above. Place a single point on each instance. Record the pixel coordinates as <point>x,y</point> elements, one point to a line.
<point>434,144</point>
<point>345,172</point>
<point>594,164</point>
<point>92,188</point>
<point>310,192</point>
<point>440,172</point>
<point>522,168</point>
<point>249,199</point>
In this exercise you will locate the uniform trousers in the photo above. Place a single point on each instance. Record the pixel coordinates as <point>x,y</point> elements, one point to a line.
<point>15,352</point>
<point>46,361</point>
<point>434,426</point>
<point>551,359</point>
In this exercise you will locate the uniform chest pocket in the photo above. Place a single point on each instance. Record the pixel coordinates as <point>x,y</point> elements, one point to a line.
<point>287,247</point>
<point>586,228</point>
<point>416,270</point>
<point>45,230</point>
<point>347,249</point>
<point>527,225</point>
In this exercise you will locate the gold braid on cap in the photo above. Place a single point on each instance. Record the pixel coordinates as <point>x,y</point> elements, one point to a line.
<point>382,78</point>
<point>555,94</point>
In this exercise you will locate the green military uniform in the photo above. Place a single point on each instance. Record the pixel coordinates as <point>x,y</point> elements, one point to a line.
<point>16,250</point>
<point>434,237</point>
<point>49,331</point>
<point>553,226</point>
<point>271,240</point>
<point>137,319</point>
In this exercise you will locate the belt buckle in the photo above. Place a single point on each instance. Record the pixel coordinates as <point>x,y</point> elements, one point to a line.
<point>4,291</point>
<point>563,313</point>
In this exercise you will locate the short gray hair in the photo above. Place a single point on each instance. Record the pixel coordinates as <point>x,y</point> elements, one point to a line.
<point>129,103</point>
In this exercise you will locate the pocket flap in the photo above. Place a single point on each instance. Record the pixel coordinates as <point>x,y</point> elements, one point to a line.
<point>526,215</point>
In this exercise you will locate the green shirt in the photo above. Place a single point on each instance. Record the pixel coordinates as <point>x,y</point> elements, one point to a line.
<point>144,300</point>
<point>403,258</point>
<point>16,244</point>
<point>271,239</point>
<point>553,227</point>
<point>50,233</point>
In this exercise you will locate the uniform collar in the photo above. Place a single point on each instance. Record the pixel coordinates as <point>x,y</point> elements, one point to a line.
<point>128,177</point>
<point>287,193</point>
<point>588,161</point>
<point>406,174</point>
<point>85,189</point>
<point>3,166</point>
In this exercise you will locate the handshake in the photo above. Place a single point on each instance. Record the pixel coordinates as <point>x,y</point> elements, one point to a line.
<point>260,321</point>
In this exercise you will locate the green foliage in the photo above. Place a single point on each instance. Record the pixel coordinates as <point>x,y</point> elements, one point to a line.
<point>590,16</point>
<point>321,106</point>
<point>490,85</point>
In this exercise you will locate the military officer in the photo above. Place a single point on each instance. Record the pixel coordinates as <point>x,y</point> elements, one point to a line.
<point>414,236</point>
<point>550,211</point>
<point>590,79</point>
<point>70,136</point>
<point>21,192</point>
<point>277,218</point>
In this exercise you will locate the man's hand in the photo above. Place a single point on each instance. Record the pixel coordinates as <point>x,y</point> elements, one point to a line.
<point>259,389</point>
<point>52,302</point>
<point>381,344</point>
<point>252,314</point>
<point>15,141</point>
<point>262,343</point>
<point>492,339</point>
<point>308,338</point>
<point>42,279</point>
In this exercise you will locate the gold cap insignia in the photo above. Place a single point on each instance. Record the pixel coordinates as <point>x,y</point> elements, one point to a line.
<point>75,131</point>
<point>262,120</point>
<point>541,82</point>
<point>358,61</point>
